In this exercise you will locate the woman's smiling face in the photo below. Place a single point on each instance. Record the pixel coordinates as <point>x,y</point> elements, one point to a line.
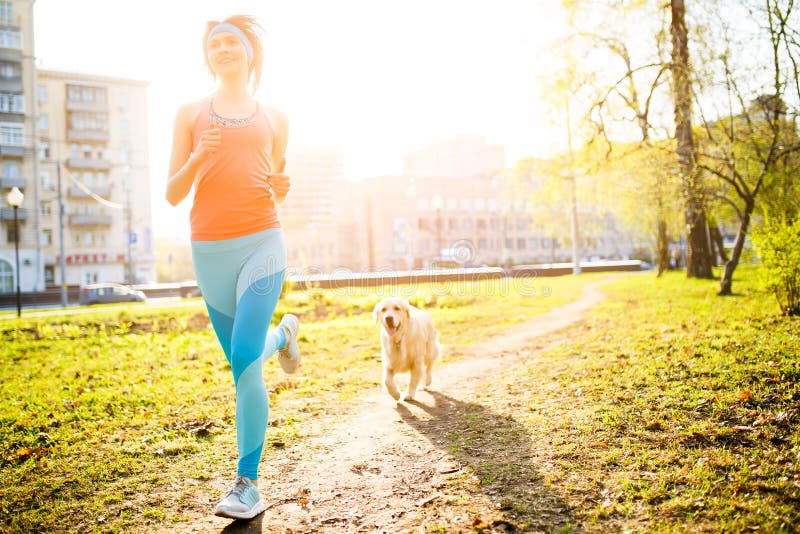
<point>226,53</point>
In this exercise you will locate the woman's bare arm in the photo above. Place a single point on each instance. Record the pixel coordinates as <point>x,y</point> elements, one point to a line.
<point>184,162</point>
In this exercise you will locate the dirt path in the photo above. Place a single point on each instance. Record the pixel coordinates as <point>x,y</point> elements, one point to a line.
<point>390,468</point>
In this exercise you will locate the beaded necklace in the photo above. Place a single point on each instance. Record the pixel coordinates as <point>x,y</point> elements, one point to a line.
<point>228,122</point>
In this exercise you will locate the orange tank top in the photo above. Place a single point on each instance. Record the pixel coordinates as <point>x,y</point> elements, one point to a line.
<point>232,197</point>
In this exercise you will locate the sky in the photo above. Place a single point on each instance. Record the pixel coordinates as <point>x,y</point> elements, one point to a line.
<point>375,79</point>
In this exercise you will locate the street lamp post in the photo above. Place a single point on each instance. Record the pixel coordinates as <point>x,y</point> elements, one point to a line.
<point>14,199</point>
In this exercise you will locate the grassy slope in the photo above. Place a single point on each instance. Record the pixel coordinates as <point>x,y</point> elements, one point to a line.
<point>670,410</point>
<point>110,418</point>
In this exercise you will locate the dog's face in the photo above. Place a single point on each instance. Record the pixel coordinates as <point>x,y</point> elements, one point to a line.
<point>391,314</point>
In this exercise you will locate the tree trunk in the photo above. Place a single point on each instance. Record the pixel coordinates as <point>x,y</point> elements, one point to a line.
<point>662,248</point>
<point>726,284</point>
<point>698,256</point>
<point>718,245</point>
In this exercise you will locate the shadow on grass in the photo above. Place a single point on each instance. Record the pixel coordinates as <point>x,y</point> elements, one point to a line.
<point>497,449</point>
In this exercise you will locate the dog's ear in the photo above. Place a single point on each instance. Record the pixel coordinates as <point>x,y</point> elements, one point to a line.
<point>407,309</point>
<point>375,311</point>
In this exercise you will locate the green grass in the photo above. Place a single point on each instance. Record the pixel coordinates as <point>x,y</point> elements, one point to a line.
<point>111,418</point>
<point>669,409</point>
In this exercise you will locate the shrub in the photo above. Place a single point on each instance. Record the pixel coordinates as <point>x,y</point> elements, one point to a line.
<point>778,245</point>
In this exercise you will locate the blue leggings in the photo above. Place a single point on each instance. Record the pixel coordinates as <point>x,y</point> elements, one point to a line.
<point>241,280</point>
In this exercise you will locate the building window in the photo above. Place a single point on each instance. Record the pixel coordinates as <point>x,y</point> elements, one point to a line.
<point>124,128</point>
<point>41,92</point>
<point>47,181</point>
<point>88,238</point>
<point>88,94</point>
<point>509,243</point>
<point>73,150</point>
<point>11,168</point>
<point>49,274</point>
<point>11,234</point>
<point>533,244</point>
<point>122,99</point>
<point>47,237</point>
<point>6,14</point>
<point>10,38</point>
<point>6,277</point>
<point>12,103</point>
<point>520,243</point>
<point>44,121</point>
<point>44,150</point>
<point>87,151</point>
<point>11,134</point>
<point>45,208</point>
<point>452,225</point>
<point>87,120</point>
<point>9,70</point>
<point>481,244</point>
<point>480,204</point>
<point>481,224</point>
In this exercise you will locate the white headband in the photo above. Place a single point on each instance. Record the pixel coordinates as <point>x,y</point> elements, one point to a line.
<point>230,28</point>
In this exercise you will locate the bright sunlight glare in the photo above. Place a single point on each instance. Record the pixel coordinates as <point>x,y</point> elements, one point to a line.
<point>374,80</point>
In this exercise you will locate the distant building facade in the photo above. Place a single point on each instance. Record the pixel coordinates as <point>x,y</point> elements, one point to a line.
<point>96,127</point>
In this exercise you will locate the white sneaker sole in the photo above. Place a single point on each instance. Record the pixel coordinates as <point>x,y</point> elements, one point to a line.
<point>250,514</point>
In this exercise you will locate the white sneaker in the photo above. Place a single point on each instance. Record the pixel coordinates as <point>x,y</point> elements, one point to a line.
<point>289,356</point>
<point>243,501</point>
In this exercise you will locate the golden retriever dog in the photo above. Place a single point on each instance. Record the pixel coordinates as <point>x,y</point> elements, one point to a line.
<point>409,344</point>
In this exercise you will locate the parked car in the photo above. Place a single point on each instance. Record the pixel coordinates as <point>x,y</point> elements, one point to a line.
<point>103,293</point>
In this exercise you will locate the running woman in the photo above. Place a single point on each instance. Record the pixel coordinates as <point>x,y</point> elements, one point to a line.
<point>231,149</point>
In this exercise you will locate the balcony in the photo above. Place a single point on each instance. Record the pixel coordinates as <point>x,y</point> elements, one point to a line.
<point>89,163</point>
<point>90,220</point>
<point>100,190</point>
<point>12,150</point>
<point>91,105</point>
<point>7,182</point>
<point>7,214</point>
<point>11,85</point>
<point>11,54</point>
<point>74,134</point>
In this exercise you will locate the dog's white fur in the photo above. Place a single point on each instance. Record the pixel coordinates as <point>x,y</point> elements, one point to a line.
<point>409,343</point>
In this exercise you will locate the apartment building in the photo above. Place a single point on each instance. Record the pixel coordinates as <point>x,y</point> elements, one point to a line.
<point>16,163</point>
<point>457,205</point>
<point>95,127</point>
<point>310,214</point>
<point>92,131</point>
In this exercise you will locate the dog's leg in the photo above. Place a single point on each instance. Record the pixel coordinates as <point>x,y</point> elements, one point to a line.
<point>391,387</point>
<point>429,374</point>
<point>413,382</point>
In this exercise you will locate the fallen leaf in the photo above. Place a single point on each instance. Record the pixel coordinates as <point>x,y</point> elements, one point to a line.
<point>653,424</point>
<point>744,395</point>
<point>479,524</point>
<point>600,443</point>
